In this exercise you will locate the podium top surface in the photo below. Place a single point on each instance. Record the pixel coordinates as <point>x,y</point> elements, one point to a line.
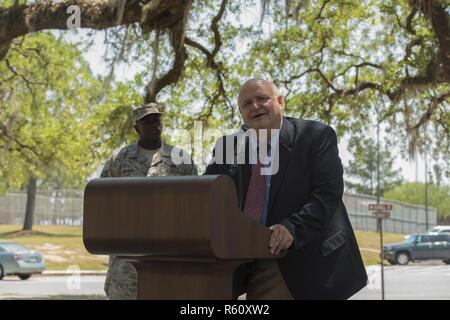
<point>173,216</point>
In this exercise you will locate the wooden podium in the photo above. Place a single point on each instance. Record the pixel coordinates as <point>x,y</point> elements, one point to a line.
<point>185,235</point>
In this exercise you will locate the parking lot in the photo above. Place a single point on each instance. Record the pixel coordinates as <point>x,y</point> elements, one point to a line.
<point>426,280</point>
<point>415,281</point>
<point>53,287</point>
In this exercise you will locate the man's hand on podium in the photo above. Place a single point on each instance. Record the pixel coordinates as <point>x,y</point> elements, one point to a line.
<point>280,239</point>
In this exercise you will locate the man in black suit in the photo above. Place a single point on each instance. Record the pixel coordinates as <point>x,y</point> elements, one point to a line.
<point>301,202</point>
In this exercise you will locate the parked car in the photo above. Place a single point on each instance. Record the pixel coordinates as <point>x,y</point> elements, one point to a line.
<point>436,230</point>
<point>439,230</point>
<point>15,259</point>
<point>418,247</point>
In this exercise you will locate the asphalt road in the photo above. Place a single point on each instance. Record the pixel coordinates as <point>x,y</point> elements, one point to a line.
<point>53,287</point>
<point>415,281</point>
<point>419,281</point>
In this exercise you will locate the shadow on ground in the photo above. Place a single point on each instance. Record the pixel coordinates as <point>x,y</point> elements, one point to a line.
<point>56,297</point>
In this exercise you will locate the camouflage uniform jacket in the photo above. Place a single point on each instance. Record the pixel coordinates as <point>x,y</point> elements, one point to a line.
<point>121,278</point>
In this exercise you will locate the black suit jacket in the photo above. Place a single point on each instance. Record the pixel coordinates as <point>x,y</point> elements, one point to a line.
<point>305,196</point>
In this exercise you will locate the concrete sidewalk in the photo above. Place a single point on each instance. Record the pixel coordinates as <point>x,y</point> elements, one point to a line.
<point>51,273</point>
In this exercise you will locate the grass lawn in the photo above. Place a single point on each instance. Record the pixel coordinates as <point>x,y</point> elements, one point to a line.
<point>62,246</point>
<point>369,244</point>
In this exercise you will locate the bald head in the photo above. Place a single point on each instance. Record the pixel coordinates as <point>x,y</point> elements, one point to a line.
<point>258,81</point>
<point>260,104</point>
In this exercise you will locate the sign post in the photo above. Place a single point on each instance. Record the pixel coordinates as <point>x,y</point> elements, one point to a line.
<point>380,212</point>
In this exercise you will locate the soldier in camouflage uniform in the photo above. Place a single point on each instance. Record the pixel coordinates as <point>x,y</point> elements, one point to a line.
<point>148,157</point>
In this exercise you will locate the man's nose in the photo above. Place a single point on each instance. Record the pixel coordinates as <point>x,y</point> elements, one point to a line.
<point>254,105</point>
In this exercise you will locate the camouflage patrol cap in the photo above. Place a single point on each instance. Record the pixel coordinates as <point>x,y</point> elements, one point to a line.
<point>145,110</point>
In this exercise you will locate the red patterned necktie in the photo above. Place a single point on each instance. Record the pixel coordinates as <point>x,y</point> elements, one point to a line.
<point>255,195</point>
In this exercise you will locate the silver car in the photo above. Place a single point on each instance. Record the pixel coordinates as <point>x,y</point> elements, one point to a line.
<point>18,260</point>
<point>439,230</point>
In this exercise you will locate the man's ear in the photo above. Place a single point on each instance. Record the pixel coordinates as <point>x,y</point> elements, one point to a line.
<point>280,100</point>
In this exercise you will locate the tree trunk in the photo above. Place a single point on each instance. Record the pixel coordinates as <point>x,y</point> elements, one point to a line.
<point>31,200</point>
<point>56,208</point>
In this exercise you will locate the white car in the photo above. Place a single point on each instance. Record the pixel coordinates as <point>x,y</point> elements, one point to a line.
<point>439,230</point>
<point>434,231</point>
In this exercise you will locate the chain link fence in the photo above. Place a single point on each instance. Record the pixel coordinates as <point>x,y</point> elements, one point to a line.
<point>65,207</point>
<point>52,207</point>
<point>405,218</point>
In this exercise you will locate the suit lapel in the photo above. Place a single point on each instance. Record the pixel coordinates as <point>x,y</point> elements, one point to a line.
<point>285,147</point>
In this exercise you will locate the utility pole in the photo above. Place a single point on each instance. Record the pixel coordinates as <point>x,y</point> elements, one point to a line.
<point>426,193</point>
<point>380,221</point>
<point>426,184</point>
